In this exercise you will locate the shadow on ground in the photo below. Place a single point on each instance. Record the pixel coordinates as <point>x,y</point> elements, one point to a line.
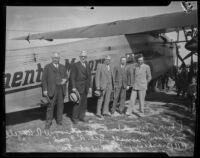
<point>40,113</point>
<point>166,97</point>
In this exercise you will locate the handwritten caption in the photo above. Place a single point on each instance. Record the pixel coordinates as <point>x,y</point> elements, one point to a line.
<point>72,139</point>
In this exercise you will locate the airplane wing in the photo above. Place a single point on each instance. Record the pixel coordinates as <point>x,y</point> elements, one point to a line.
<point>158,24</point>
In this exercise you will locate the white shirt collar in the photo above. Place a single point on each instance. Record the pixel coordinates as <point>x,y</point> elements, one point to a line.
<point>56,65</point>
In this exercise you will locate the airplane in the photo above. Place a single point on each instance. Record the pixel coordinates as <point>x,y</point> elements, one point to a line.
<point>24,67</point>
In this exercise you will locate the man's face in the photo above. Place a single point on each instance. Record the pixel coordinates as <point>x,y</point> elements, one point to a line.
<point>193,80</point>
<point>55,60</point>
<point>123,61</point>
<point>140,61</point>
<point>83,59</point>
<point>107,61</point>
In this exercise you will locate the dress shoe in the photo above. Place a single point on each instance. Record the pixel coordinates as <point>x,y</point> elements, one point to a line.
<point>47,126</point>
<point>84,120</point>
<point>127,114</point>
<point>141,111</point>
<point>99,116</point>
<point>112,112</point>
<point>107,115</point>
<point>75,122</point>
<point>60,123</point>
<point>120,112</point>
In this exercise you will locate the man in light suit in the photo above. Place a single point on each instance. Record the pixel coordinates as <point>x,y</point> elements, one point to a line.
<point>141,77</point>
<point>120,85</point>
<point>104,83</point>
<point>54,80</point>
<point>80,77</point>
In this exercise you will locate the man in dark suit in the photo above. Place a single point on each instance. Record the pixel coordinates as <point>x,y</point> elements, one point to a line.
<point>120,85</point>
<point>54,80</point>
<point>104,83</point>
<point>80,77</point>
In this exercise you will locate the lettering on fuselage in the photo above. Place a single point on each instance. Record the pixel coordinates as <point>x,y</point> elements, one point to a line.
<point>24,80</point>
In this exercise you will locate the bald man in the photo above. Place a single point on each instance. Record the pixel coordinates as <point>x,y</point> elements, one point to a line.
<point>80,79</point>
<point>54,80</point>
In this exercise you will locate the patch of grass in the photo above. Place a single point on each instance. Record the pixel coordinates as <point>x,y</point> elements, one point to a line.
<point>167,131</point>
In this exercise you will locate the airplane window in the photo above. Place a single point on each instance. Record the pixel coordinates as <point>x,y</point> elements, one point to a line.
<point>149,54</point>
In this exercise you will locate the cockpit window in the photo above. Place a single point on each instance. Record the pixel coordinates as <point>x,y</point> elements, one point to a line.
<point>149,54</point>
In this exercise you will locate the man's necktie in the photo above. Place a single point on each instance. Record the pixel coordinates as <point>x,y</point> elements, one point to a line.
<point>56,65</point>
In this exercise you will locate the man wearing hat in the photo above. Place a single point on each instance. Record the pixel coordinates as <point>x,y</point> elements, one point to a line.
<point>141,77</point>
<point>54,80</point>
<point>80,77</point>
<point>104,83</point>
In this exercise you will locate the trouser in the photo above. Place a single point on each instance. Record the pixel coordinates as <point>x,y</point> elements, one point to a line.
<point>57,99</point>
<point>141,94</point>
<point>181,90</point>
<point>192,102</point>
<point>105,97</point>
<point>120,93</point>
<point>80,108</point>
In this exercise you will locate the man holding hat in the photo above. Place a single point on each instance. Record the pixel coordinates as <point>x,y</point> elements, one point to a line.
<point>104,83</point>
<point>141,77</point>
<point>80,77</point>
<point>54,80</point>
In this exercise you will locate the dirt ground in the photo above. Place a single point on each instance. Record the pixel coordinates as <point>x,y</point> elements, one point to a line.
<point>167,126</point>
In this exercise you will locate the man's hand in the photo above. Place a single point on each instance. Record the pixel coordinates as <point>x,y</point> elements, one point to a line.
<point>45,93</point>
<point>90,91</point>
<point>63,81</point>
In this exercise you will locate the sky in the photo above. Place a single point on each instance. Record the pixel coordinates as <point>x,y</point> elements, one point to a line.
<point>21,21</point>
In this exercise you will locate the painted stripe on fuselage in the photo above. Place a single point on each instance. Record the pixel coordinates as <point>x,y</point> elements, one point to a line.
<point>22,89</point>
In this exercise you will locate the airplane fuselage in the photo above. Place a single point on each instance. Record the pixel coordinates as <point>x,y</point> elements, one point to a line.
<point>24,67</point>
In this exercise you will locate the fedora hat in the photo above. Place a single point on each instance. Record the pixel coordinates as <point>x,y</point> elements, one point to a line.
<point>44,101</point>
<point>74,96</point>
<point>97,93</point>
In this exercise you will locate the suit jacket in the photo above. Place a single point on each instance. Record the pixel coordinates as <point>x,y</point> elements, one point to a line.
<point>104,78</point>
<point>130,77</point>
<point>120,76</point>
<point>141,76</point>
<point>52,76</point>
<point>80,77</point>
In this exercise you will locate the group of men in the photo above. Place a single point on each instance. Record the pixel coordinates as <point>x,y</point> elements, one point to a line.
<point>109,80</point>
